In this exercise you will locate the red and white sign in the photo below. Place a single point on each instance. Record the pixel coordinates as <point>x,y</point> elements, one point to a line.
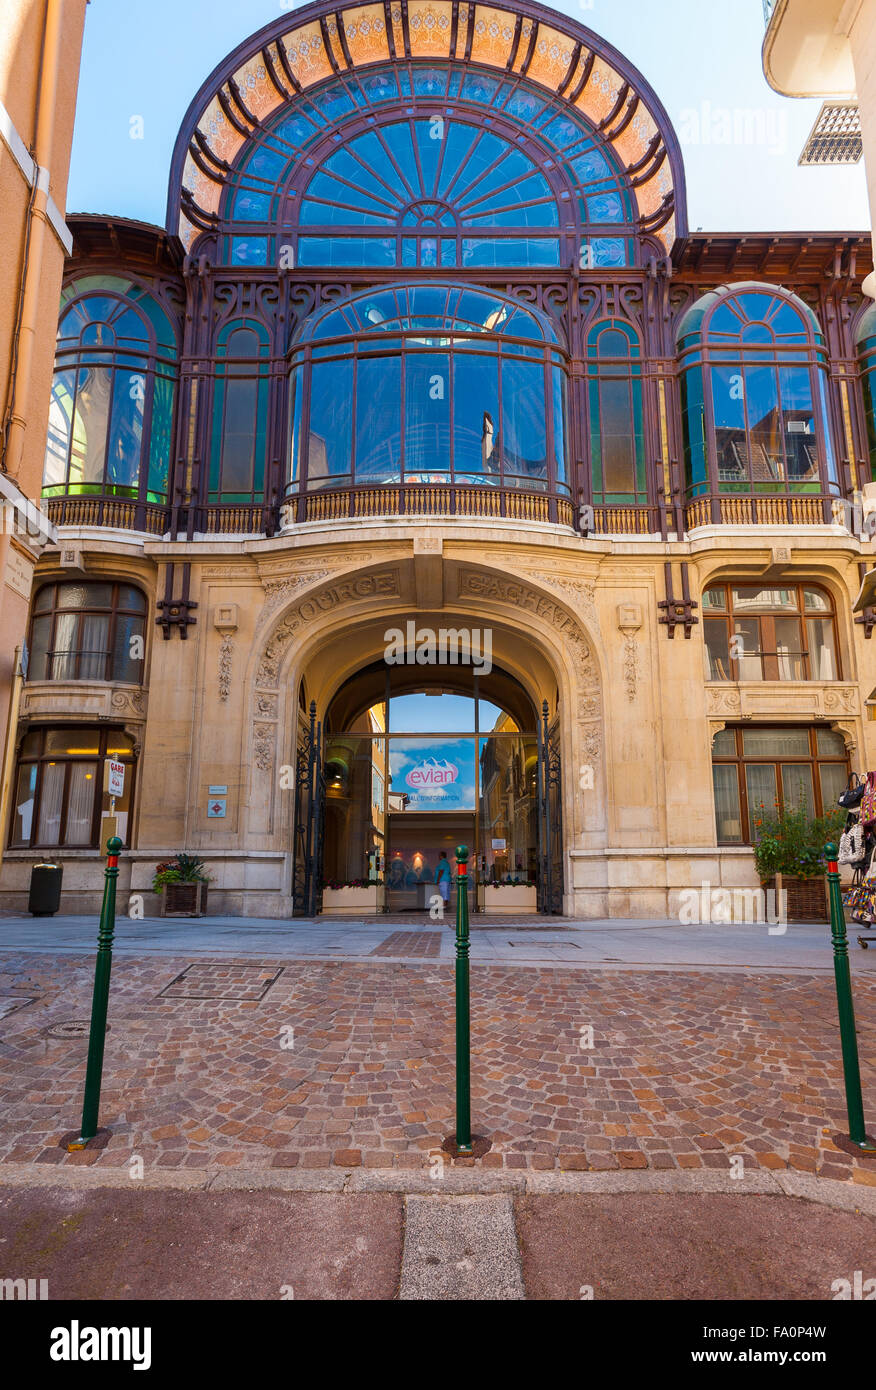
<point>115,778</point>
<point>432,773</point>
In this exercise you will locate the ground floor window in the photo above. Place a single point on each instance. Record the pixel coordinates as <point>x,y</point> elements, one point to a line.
<point>59,797</point>
<point>790,767</point>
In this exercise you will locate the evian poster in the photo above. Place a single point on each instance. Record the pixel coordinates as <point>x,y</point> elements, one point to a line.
<point>432,776</point>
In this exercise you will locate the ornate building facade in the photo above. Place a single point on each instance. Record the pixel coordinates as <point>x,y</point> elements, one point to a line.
<point>427,348</point>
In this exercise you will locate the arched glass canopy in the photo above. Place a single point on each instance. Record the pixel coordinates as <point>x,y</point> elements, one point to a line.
<point>428,384</point>
<point>428,166</point>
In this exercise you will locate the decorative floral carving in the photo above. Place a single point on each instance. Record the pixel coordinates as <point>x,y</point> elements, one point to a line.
<point>263,743</point>
<point>127,701</point>
<point>266,706</point>
<point>277,591</point>
<point>226,650</point>
<point>631,665</point>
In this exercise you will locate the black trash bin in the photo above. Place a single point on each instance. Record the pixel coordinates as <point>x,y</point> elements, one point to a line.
<point>45,889</point>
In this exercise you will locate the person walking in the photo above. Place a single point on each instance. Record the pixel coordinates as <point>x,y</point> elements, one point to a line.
<point>443,877</point>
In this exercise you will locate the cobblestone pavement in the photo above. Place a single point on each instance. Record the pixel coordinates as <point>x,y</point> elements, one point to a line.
<point>316,1064</point>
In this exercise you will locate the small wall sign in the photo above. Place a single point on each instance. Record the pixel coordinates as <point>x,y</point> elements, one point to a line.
<point>216,807</point>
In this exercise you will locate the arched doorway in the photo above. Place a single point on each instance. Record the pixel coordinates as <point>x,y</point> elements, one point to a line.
<point>408,763</point>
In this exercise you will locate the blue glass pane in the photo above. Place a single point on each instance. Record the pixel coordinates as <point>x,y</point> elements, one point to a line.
<point>563,132</point>
<point>448,253</point>
<point>478,87</point>
<point>537,215</point>
<point>335,102</point>
<point>126,430</point>
<point>249,250</point>
<point>609,251</point>
<point>757,333</point>
<point>267,163</point>
<point>160,438</point>
<point>827,434</point>
<point>756,306</point>
<point>60,422</point>
<point>378,420</point>
<point>296,382</point>
<point>349,251</point>
<point>524,436</point>
<point>476,414</point>
<point>560,404</point>
<point>409,251</point>
<point>525,105</point>
<point>511,252</point>
<point>298,130</point>
<point>382,86</point>
<point>693,414</point>
<point>607,208</point>
<point>591,166</point>
<point>98,335</point>
<point>331,414</point>
<point>427,412</point>
<point>789,323</point>
<point>724,320</point>
<point>431,82</point>
<point>251,207</point>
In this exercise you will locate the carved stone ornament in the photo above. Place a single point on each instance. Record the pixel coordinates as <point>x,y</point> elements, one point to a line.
<point>263,743</point>
<point>226,651</point>
<point>279,591</point>
<point>128,702</point>
<point>344,591</point>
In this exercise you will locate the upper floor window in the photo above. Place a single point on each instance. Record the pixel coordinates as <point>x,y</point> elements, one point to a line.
<point>240,414</point>
<point>617,429</point>
<point>437,168</point>
<point>754,633</point>
<point>429,384</point>
<point>59,796</point>
<point>113,394</point>
<point>754,395</point>
<point>88,632</point>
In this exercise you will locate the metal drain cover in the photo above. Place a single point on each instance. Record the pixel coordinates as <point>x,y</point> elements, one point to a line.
<point>73,1028</point>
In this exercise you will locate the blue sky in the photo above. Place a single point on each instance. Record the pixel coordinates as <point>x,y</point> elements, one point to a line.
<point>147,59</point>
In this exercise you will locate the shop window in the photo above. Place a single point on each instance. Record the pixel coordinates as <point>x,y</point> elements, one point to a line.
<point>88,632</point>
<point>758,768</point>
<point>59,797</point>
<point>113,394</point>
<point>756,633</point>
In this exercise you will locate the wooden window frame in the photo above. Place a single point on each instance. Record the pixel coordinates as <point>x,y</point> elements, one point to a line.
<point>114,611</point>
<point>741,760</point>
<point>767,651</point>
<point>43,758</point>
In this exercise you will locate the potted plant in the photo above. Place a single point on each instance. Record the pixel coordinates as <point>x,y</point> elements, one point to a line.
<point>182,886</point>
<point>789,855</point>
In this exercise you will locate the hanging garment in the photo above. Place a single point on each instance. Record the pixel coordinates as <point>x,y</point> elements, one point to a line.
<point>868,801</point>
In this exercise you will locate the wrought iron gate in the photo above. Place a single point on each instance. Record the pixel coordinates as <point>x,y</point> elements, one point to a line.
<point>550,818</point>
<point>309,821</point>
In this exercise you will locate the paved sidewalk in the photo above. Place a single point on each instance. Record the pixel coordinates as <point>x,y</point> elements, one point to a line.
<point>514,941</point>
<point>102,1243</point>
<point>270,1063</point>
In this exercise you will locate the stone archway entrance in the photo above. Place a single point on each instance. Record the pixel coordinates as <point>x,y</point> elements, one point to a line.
<point>409,762</point>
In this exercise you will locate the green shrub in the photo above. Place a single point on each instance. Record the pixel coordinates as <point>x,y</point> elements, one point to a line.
<point>791,841</point>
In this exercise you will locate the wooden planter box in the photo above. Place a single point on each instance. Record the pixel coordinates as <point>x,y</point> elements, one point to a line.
<point>514,899</point>
<point>807,898</point>
<point>183,899</point>
<point>352,900</point>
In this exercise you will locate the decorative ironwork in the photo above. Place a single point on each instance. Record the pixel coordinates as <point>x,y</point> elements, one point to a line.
<point>176,612</point>
<point>550,817</point>
<point>678,612</point>
<point>309,822</point>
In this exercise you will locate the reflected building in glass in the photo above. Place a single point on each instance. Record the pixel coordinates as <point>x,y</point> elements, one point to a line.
<point>426,346</point>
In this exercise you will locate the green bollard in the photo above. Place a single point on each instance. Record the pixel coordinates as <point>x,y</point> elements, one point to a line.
<point>463,1010</point>
<point>100,1002</point>
<point>858,1141</point>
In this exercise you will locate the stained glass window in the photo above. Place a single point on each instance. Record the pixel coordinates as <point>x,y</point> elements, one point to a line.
<point>240,412</point>
<point>453,169</point>
<point>617,431</point>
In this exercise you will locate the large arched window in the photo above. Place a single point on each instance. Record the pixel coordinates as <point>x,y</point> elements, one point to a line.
<point>754,395</point>
<point>240,414</point>
<point>111,414</point>
<point>617,430</point>
<point>429,384</point>
<point>428,166</point>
